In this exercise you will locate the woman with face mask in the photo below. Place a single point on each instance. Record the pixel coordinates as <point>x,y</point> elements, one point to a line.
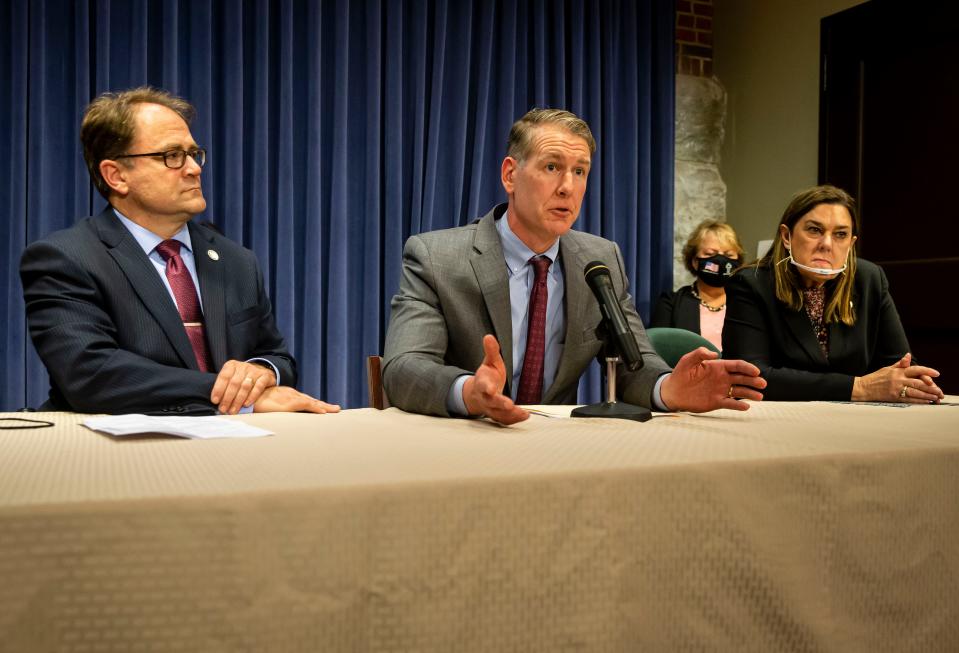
<point>818,321</point>
<point>711,254</point>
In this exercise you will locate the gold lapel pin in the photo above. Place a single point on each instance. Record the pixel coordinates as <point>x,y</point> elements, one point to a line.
<point>212,254</point>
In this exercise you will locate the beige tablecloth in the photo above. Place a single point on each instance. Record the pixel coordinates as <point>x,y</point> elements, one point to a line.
<point>791,527</point>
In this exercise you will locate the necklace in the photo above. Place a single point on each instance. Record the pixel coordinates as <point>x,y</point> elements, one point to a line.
<point>711,309</point>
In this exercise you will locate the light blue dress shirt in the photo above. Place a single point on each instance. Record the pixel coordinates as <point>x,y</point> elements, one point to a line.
<point>148,241</point>
<point>521,276</point>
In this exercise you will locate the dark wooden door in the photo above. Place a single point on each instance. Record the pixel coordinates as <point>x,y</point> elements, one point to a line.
<point>889,134</point>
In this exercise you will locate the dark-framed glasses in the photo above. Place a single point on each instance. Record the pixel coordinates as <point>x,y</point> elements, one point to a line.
<point>173,158</point>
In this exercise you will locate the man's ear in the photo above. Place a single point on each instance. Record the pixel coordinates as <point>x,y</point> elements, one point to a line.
<point>115,175</point>
<point>507,172</point>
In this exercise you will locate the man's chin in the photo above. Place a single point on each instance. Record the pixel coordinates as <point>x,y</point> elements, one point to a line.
<point>198,205</point>
<point>561,227</point>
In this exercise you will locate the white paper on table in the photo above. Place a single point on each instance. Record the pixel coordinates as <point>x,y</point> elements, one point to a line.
<point>557,411</point>
<point>194,428</point>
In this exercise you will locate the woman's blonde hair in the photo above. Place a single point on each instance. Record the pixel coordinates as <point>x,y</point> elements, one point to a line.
<point>789,285</point>
<point>721,230</point>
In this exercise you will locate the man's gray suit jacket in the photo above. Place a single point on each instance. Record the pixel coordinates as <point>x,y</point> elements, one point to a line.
<point>455,289</point>
<point>110,335</point>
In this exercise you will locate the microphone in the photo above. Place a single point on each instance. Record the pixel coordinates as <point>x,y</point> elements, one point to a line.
<point>599,281</point>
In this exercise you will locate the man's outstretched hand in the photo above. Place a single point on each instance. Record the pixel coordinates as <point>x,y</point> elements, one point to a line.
<point>700,383</point>
<point>483,392</point>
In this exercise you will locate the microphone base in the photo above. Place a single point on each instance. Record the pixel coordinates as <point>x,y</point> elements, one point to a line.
<point>617,410</point>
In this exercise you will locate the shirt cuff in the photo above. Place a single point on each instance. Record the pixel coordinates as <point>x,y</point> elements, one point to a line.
<point>454,399</point>
<point>276,372</point>
<point>658,402</point>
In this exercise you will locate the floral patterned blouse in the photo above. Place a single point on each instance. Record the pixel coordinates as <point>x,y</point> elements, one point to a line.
<point>814,299</point>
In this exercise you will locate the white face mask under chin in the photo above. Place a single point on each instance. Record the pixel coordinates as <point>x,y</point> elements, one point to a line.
<point>826,272</point>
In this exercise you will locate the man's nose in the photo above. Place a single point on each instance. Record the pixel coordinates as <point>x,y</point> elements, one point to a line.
<point>191,167</point>
<point>565,184</point>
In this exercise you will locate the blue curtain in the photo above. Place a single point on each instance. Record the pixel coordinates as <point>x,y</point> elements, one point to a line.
<point>335,130</point>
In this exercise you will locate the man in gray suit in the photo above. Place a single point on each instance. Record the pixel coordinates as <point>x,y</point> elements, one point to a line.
<point>497,313</point>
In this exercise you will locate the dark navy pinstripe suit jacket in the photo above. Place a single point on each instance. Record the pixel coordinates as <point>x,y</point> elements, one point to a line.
<point>110,335</point>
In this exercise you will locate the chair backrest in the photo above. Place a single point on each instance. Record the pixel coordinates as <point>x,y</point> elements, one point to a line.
<point>673,344</point>
<point>374,383</point>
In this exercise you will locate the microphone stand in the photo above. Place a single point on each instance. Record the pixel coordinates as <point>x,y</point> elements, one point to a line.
<point>612,408</point>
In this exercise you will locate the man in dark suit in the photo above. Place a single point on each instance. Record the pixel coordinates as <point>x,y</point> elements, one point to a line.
<point>138,309</point>
<point>518,273</point>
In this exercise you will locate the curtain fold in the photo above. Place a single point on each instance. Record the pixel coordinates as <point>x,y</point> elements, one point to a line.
<point>335,130</point>
<point>14,69</point>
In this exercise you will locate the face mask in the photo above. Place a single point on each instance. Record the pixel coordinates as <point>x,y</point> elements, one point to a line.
<point>826,272</point>
<point>715,270</point>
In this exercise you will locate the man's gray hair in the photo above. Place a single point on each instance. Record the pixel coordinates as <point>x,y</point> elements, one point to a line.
<point>521,134</point>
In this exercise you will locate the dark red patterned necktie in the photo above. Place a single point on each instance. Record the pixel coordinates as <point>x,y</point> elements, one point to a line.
<point>531,380</point>
<point>187,301</point>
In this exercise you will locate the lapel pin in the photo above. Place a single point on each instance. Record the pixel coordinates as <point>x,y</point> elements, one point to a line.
<point>212,254</point>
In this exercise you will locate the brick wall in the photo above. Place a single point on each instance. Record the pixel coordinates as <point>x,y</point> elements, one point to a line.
<point>694,37</point>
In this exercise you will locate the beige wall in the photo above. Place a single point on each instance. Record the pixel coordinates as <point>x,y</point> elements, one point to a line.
<point>766,54</point>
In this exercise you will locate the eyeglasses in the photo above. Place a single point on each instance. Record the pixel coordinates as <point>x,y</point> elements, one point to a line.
<point>173,158</point>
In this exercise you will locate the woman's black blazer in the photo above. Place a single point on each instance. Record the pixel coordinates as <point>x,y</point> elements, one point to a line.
<point>678,310</point>
<point>781,342</point>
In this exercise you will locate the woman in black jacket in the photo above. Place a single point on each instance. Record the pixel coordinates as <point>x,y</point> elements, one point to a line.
<point>711,253</point>
<point>818,321</point>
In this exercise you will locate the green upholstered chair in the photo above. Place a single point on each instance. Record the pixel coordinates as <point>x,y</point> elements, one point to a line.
<point>673,344</point>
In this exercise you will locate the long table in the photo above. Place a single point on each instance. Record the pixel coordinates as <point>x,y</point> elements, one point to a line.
<point>790,527</point>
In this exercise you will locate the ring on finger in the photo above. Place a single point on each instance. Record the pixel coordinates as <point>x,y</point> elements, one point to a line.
<point>730,392</point>
<point>902,393</point>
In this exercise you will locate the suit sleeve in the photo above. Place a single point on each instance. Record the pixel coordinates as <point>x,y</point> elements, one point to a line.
<point>415,375</point>
<point>891,341</point>
<point>270,344</point>
<point>77,342</point>
<point>746,335</point>
<point>637,387</point>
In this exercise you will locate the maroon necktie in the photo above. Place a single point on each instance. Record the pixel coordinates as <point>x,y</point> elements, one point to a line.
<point>531,380</point>
<point>187,302</point>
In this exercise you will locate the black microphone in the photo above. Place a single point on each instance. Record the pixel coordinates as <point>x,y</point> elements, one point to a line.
<point>599,281</point>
